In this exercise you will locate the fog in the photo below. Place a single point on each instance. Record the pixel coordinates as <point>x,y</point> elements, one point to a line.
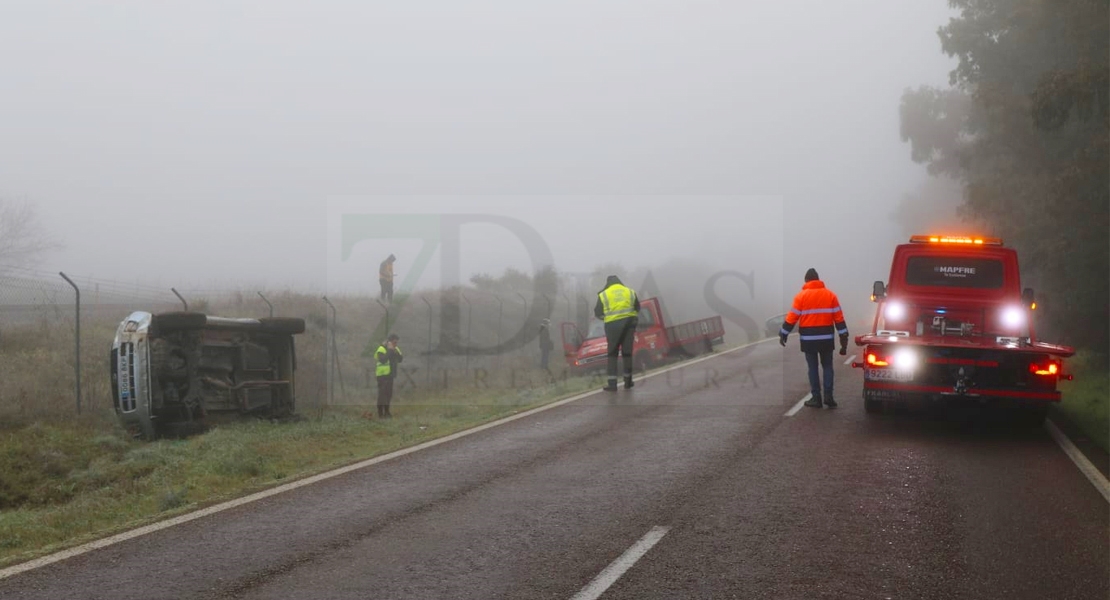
<point>211,144</point>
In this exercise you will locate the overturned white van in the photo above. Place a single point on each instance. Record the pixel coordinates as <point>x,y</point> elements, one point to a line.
<point>174,372</point>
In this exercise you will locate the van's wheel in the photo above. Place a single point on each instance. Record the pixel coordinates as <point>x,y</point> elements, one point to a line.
<point>169,321</point>
<point>290,325</point>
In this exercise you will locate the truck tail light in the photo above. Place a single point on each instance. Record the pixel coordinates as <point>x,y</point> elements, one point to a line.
<point>874,360</point>
<point>1047,369</point>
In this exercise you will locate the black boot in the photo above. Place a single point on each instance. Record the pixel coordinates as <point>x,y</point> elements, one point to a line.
<point>612,386</point>
<point>814,402</point>
<point>628,382</point>
<point>829,402</point>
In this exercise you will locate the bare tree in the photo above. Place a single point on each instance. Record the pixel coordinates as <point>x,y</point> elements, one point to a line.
<point>23,240</point>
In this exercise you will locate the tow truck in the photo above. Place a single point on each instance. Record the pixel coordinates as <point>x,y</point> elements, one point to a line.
<point>654,343</point>
<point>955,325</point>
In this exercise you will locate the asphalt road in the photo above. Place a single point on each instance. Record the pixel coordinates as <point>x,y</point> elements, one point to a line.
<point>736,500</point>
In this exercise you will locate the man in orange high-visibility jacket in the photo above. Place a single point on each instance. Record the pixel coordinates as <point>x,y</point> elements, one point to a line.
<point>817,313</point>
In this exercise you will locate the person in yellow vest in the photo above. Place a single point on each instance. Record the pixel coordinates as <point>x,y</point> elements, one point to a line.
<point>387,358</point>
<point>619,307</point>
<point>385,277</point>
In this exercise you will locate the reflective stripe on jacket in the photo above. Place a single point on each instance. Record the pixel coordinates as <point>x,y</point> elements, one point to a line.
<point>817,313</point>
<point>385,271</point>
<point>618,302</point>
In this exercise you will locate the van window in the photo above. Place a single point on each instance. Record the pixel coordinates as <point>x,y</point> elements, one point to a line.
<point>955,271</point>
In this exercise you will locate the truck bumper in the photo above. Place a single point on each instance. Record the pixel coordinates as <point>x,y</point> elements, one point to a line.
<point>909,393</point>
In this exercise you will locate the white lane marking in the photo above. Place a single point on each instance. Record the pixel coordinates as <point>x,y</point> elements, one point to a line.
<point>624,562</point>
<point>1093,474</point>
<point>850,359</point>
<point>798,406</point>
<point>153,527</point>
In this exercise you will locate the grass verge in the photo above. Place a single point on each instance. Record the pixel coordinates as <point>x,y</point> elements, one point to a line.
<point>1086,400</point>
<point>62,484</point>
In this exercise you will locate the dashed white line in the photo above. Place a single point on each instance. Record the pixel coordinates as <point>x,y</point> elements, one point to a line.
<point>798,406</point>
<point>1076,456</point>
<point>618,567</point>
<point>850,359</point>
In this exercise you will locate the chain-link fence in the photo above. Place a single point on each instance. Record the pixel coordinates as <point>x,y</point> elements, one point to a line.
<point>56,332</point>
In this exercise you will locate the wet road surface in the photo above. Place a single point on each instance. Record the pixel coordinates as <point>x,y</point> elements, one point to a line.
<point>744,502</point>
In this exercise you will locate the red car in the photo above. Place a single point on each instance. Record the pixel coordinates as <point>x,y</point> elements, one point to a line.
<point>655,341</point>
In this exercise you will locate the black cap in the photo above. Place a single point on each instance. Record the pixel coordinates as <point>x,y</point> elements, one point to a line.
<point>393,337</point>
<point>613,279</point>
<point>811,274</point>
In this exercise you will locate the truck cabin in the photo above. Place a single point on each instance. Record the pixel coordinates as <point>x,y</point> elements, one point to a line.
<point>954,286</point>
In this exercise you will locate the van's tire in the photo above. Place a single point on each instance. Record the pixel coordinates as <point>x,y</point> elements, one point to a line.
<point>170,321</point>
<point>289,325</point>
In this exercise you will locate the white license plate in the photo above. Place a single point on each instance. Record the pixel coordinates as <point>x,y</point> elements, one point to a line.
<point>890,374</point>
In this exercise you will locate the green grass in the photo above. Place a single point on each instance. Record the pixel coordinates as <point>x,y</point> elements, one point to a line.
<point>1086,400</point>
<point>62,483</point>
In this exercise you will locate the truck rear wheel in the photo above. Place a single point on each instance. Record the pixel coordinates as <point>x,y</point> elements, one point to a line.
<point>872,406</point>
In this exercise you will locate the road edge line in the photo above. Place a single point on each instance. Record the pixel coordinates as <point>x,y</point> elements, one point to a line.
<point>43,561</point>
<point>610,574</point>
<point>1084,465</point>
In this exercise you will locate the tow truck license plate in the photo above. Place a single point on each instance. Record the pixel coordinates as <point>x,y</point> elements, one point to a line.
<point>890,374</point>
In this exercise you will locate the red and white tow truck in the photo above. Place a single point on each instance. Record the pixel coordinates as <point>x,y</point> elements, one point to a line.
<point>954,324</point>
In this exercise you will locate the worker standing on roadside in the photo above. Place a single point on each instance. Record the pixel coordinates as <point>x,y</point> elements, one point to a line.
<point>816,311</point>
<point>546,345</point>
<point>387,358</point>
<point>618,306</point>
<point>385,277</point>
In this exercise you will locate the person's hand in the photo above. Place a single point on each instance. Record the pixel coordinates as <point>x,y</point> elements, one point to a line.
<point>843,350</point>
<point>782,339</point>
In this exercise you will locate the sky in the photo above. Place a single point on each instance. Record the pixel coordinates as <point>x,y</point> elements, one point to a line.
<point>219,144</point>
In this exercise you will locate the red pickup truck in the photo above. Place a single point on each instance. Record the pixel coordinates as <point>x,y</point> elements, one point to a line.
<point>954,324</point>
<point>655,341</point>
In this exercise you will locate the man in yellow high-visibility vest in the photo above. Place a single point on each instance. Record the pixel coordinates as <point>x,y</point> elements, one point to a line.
<point>619,307</point>
<point>387,357</point>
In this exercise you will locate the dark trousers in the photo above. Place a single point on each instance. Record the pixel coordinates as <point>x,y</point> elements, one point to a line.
<point>387,289</point>
<point>620,335</point>
<point>826,359</point>
<point>385,396</point>
<point>545,354</point>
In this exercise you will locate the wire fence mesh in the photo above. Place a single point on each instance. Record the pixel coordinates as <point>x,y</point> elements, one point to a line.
<point>55,340</point>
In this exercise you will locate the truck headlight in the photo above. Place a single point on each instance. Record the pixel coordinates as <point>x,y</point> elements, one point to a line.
<point>895,311</point>
<point>1013,317</point>
<point>905,359</point>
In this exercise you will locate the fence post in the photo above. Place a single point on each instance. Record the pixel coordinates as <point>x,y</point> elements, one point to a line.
<point>329,349</point>
<point>179,297</point>
<point>386,308</point>
<point>469,320</point>
<point>428,372</point>
<point>267,304</point>
<point>77,338</point>
<point>500,310</point>
<point>525,300</point>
